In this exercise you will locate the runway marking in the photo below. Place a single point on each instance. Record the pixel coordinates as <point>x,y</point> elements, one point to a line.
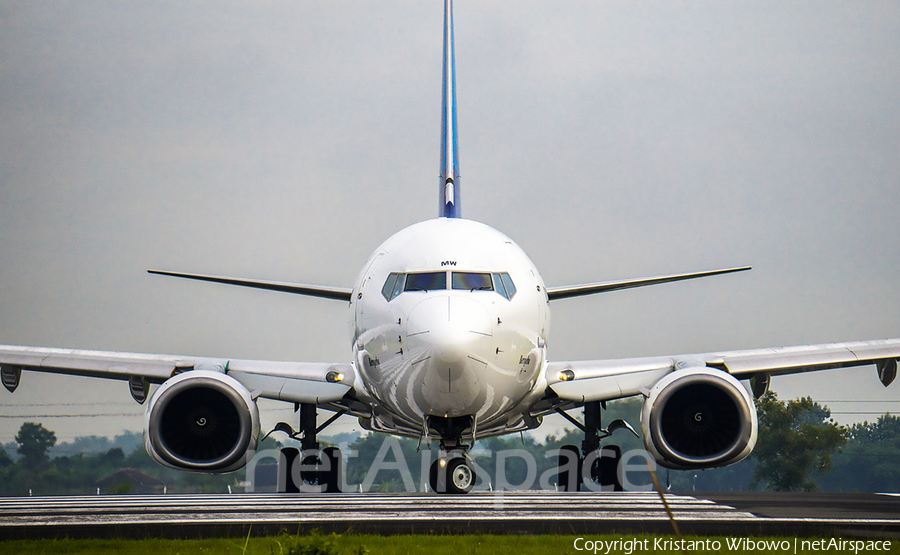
<point>530,510</point>
<point>274,507</point>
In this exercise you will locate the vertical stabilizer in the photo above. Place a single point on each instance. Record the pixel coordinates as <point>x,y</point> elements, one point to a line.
<point>449,186</point>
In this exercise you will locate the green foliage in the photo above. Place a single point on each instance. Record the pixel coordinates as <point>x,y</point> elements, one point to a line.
<point>122,488</point>
<point>797,439</point>
<point>5,459</point>
<point>94,445</point>
<point>797,442</point>
<point>34,440</point>
<point>314,544</point>
<point>868,462</point>
<point>398,452</point>
<point>349,544</point>
<point>735,477</point>
<point>79,473</point>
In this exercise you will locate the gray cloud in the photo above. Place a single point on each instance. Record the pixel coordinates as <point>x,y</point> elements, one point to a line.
<point>286,140</point>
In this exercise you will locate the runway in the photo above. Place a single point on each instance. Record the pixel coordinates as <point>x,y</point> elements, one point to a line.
<point>528,512</point>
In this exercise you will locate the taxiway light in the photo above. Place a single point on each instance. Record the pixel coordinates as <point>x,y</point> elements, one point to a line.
<point>566,375</point>
<point>334,377</point>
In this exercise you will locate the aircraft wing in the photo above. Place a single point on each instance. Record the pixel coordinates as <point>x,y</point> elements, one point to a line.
<point>603,380</point>
<point>298,382</point>
<point>321,291</point>
<point>569,291</point>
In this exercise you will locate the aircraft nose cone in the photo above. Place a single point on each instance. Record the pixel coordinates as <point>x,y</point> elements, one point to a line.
<point>452,329</point>
<point>450,340</point>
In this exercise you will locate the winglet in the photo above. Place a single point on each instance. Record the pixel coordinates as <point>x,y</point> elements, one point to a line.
<point>449,186</point>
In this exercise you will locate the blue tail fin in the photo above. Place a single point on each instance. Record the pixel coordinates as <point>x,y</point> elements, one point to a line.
<point>449,187</point>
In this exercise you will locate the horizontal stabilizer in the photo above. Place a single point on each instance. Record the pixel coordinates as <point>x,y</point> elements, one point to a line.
<point>590,288</point>
<point>336,293</point>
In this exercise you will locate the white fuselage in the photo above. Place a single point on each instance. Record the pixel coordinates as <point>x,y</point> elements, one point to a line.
<point>450,320</point>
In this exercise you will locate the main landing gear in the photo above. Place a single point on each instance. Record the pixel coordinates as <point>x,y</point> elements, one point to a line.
<point>595,467</point>
<point>318,470</point>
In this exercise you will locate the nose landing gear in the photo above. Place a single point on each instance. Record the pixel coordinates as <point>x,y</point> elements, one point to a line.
<point>453,476</point>
<point>451,473</point>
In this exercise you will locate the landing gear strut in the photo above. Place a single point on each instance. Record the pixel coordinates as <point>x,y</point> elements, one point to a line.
<point>591,463</point>
<point>451,473</point>
<point>318,470</point>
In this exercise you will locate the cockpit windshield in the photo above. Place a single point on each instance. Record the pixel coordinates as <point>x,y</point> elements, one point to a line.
<point>432,281</point>
<point>398,283</point>
<point>472,281</point>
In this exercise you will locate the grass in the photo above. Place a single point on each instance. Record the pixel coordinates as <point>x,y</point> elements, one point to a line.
<point>321,544</point>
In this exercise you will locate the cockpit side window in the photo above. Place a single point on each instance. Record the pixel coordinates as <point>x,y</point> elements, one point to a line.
<point>508,285</point>
<point>498,285</point>
<point>398,285</point>
<point>431,281</point>
<point>393,286</point>
<point>471,281</point>
<point>388,288</point>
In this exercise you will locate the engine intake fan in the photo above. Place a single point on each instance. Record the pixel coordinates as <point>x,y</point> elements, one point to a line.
<point>698,418</point>
<point>202,420</point>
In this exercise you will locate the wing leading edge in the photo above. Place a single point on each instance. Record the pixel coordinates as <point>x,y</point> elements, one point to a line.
<point>604,380</point>
<point>298,382</point>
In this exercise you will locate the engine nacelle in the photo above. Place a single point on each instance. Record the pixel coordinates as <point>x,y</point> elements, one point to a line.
<point>203,421</point>
<point>698,418</point>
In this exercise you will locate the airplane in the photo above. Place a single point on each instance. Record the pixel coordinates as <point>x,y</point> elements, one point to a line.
<point>450,327</point>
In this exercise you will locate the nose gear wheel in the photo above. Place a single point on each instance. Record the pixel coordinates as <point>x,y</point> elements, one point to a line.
<point>455,476</point>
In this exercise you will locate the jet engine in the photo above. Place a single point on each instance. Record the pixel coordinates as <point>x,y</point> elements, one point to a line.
<point>698,418</point>
<point>203,421</point>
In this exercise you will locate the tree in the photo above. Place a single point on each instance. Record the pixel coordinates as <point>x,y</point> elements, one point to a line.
<point>886,428</point>
<point>389,475</point>
<point>869,461</point>
<point>34,440</point>
<point>5,459</point>
<point>796,439</point>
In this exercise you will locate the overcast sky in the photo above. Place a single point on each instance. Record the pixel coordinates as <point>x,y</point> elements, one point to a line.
<point>286,140</point>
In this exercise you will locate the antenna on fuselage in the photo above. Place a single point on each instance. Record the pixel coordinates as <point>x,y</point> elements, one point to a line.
<point>449,186</point>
